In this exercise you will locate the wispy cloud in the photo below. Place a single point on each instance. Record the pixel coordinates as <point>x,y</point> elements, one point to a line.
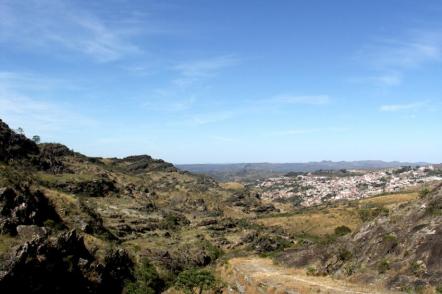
<point>211,117</point>
<point>305,100</point>
<point>62,25</point>
<point>20,108</point>
<point>420,48</point>
<point>392,57</point>
<point>402,107</point>
<point>184,89</point>
<point>222,139</point>
<point>195,70</point>
<point>388,79</point>
<point>304,131</point>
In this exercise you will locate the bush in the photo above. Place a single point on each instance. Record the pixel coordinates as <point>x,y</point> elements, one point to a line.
<point>310,271</point>
<point>344,254</point>
<point>192,280</point>
<point>369,213</point>
<point>147,280</point>
<point>383,266</point>
<point>390,243</point>
<point>434,208</point>
<point>423,193</point>
<point>213,251</point>
<point>342,230</point>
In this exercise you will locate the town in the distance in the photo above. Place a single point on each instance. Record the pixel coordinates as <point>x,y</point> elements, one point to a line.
<point>306,189</point>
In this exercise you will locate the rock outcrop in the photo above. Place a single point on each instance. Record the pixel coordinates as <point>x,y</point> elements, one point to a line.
<point>50,158</point>
<point>63,265</point>
<point>24,207</point>
<point>14,146</point>
<point>143,163</point>
<point>403,248</point>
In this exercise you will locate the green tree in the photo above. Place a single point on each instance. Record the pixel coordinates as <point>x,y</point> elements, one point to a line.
<point>20,131</point>
<point>147,280</point>
<point>195,281</point>
<point>36,139</point>
<point>342,230</point>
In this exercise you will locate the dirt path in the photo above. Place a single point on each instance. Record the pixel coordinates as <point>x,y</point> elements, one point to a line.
<point>260,275</point>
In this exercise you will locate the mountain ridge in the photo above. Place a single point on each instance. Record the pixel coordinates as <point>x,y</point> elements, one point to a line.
<point>252,171</point>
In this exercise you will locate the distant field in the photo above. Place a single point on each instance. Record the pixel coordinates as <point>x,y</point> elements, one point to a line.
<point>324,220</point>
<point>320,222</point>
<point>232,185</point>
<point>391,198</point>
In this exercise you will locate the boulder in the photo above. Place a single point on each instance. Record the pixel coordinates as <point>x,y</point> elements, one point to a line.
<point>63,265</point>
<point>24,207</point>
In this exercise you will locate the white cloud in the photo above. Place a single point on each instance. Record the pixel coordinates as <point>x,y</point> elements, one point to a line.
<point>35,114</point>
<point>164,103</point>
<point>193,71</point>
<point>304,131</point>
<point>222,139</point>
<point>51,25</point>
<point>296,131</point>
<point>306,100</point>
<point>402,107</point>
<point>211,117</point>
<point>391,58</point>
<point>416,48</point>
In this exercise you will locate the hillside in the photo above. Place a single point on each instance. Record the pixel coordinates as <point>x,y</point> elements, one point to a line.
<point>400,249</point>
<point>76,224</point>
<point>89,214</point>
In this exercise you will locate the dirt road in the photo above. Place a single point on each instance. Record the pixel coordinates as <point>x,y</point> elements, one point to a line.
<point>260,275</point>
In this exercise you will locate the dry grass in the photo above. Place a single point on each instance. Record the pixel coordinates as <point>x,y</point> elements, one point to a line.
<point>322,221</point>
<point>391,199</point>
<point>318,223</point>
<point>232,186</point>
<point>7,242</point>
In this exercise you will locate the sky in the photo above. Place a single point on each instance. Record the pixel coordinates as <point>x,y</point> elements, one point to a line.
<point>226,81</point>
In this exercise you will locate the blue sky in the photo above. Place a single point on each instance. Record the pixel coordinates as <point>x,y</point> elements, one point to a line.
<point>226,81</point>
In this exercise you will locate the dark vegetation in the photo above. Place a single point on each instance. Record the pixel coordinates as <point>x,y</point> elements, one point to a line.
<point>74,224</point>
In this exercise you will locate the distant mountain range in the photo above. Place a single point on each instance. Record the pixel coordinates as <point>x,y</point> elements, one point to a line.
<point>250,171</point>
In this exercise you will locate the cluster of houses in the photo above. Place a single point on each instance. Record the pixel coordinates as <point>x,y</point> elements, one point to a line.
<point>311,188</point>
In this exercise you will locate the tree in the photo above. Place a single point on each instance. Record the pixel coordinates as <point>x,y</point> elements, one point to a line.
<point>193,280</point>
<point>20,131</point>
<point>36,139</point>
<point>342,230</point>
<point>147,280</point>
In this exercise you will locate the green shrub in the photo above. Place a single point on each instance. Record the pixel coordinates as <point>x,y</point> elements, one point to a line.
<point>147,280</point>
<point>213,251</point>
<point>423,193</point>
<point>350,269</point>
<point>383,266</point>
<point>434,208</point>
<point>195,281</point>
<point>310,271</point>
<point>344,254</point>
<point>369,213</point>
<point>342,230</point>
<point>390,238</point>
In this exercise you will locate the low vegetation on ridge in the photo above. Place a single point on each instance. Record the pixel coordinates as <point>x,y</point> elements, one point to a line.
<point>140,225</point>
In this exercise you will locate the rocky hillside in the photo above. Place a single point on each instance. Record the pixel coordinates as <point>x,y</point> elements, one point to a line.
<point>76,224</point>
<point>400,249</point>
<point>79,224</point>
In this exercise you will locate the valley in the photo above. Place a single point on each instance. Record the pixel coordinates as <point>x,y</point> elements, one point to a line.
<point>141,225</point>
